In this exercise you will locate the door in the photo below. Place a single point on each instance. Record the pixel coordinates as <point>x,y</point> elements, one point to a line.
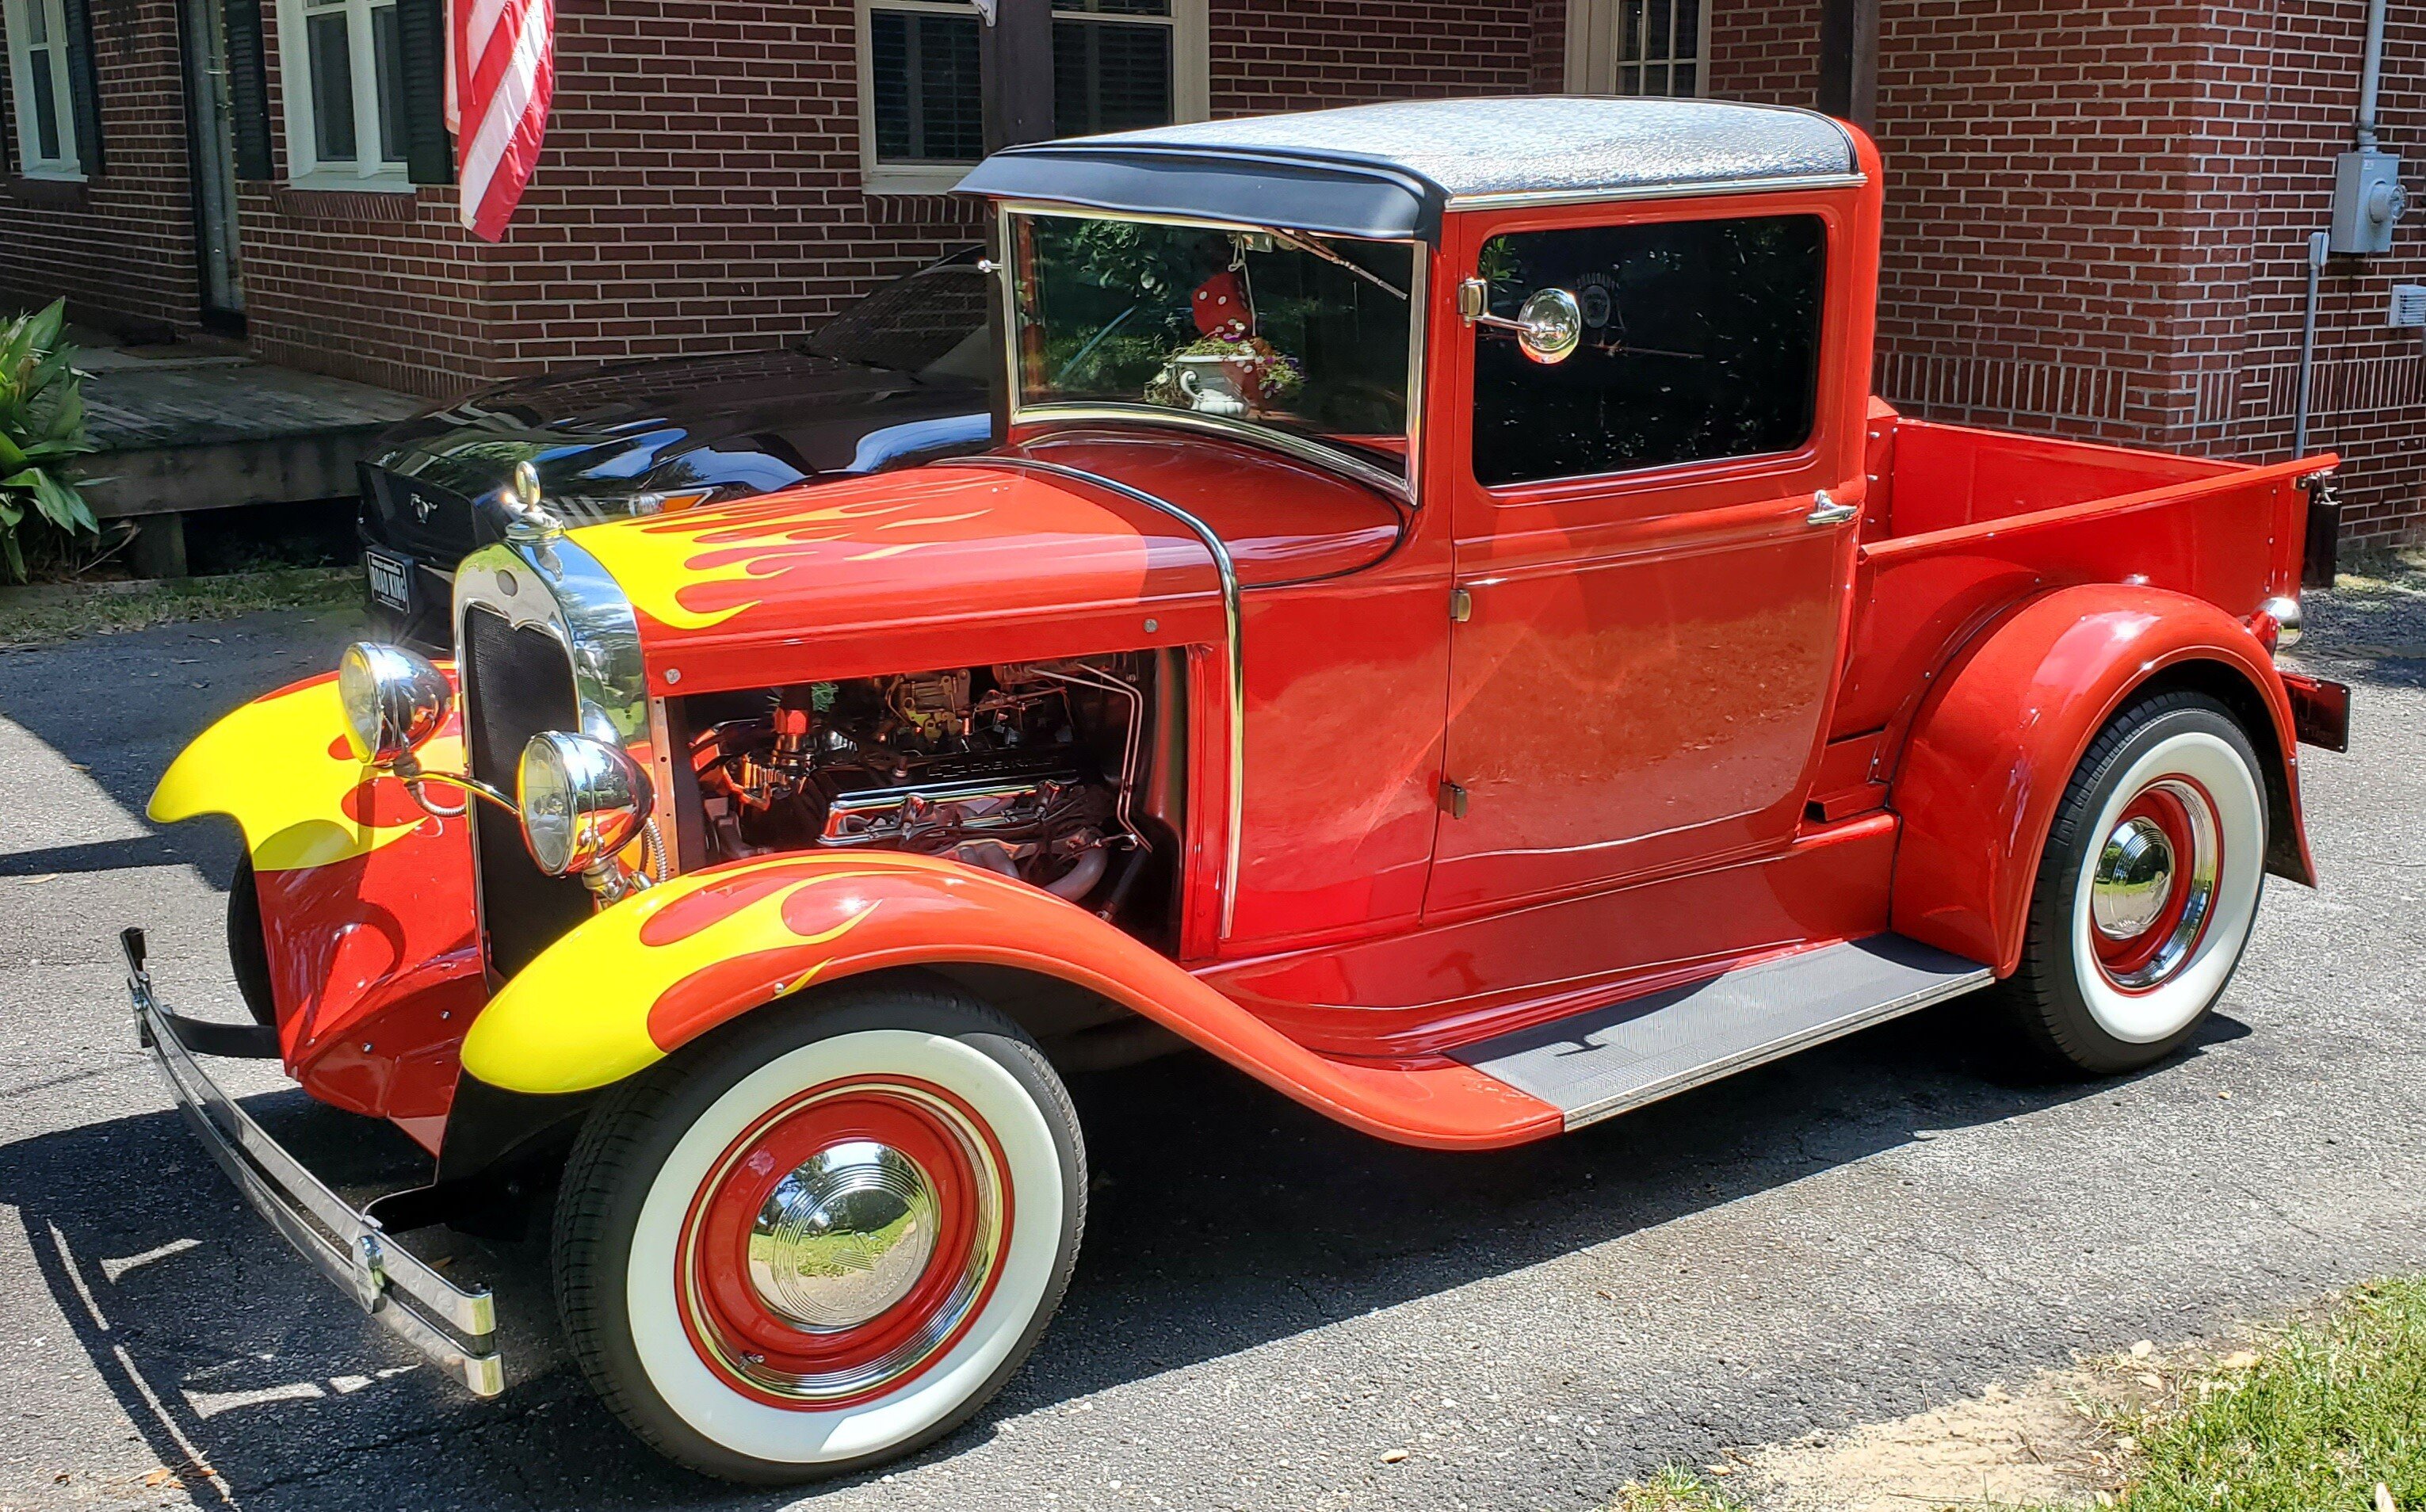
<point>1653,594</point>
<point>210,134</point>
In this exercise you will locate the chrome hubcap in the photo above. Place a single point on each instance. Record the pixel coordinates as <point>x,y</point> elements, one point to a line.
<point>843,1237</point>
<point>2134,881</point>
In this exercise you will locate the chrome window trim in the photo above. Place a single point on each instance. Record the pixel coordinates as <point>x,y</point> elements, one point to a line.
<point>1287,442</point>
<point>1234,616</point>
<point>1520,199</point>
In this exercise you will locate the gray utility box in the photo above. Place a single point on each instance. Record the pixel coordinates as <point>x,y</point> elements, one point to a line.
<point>2368,201</point>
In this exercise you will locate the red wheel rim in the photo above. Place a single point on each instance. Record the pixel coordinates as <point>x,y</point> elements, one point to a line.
<point>2184,815</point>
<point>843,1243</point>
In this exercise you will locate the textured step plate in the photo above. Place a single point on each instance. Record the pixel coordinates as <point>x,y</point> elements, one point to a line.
<point>1609,1059</point>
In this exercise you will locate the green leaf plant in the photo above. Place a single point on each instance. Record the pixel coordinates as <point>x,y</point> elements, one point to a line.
<point>41,431</point>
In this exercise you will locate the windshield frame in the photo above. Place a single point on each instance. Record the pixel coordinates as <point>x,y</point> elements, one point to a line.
<point>1305,448</point>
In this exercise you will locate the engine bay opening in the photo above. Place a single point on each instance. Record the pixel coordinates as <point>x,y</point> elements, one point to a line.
<point>1037,771</point>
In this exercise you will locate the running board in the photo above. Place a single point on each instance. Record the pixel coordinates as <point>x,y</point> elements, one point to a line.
<point>1608,1060</point>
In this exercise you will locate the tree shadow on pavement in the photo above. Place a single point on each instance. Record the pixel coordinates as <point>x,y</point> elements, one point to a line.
<point>1222,1217</point>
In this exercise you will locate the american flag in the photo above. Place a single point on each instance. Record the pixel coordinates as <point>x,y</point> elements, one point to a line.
<point>502,77</point>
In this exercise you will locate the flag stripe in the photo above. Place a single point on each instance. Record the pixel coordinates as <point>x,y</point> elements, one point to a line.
<point>506,55</point>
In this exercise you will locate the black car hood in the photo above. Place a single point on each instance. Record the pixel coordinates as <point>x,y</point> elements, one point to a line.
<point>744,422</point>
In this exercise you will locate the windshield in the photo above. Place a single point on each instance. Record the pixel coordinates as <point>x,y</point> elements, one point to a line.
<point>1253,326</point>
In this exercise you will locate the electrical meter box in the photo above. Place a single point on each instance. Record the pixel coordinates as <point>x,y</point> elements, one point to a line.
<point>2368,201</point>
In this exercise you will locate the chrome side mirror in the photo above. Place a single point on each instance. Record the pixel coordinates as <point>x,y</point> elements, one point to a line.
<point>394,700</point>
<point>582,801</point>
<point>1549,325</point>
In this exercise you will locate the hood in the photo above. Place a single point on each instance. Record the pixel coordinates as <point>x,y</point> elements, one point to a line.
<point>950,564</point>
<point>754,420</point>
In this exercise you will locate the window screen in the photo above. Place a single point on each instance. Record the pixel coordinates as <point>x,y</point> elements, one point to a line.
<point>1700,340</point>
<point>1110,74</point>
<point>924,69</point>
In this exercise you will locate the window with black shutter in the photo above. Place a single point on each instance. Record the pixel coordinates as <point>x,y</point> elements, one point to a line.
<point>53,82</point>
<point>1117,64</point>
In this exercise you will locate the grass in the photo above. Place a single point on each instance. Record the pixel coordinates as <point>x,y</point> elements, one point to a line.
<point>43,615</point>
<point>2381,570</point>
<point>2333,1410</point>
<point>1672,1491</point>
<point>2333,1407</point>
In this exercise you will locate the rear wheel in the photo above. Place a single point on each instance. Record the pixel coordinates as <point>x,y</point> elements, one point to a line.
<point>2148,888</point>
<point>823,1236</point>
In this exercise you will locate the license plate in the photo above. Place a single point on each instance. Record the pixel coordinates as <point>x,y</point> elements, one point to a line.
<point>391,580</point>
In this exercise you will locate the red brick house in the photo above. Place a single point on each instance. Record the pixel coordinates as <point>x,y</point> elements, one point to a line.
<point>2098,217</point>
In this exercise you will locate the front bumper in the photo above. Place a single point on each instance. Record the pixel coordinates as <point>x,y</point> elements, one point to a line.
<point>454,1328</point>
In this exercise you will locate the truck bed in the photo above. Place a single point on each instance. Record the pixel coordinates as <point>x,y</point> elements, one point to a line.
<point>1962,524</point>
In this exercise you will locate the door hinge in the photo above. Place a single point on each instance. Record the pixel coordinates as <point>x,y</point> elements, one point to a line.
<point>1452,799</point>
<point>1461,605</point>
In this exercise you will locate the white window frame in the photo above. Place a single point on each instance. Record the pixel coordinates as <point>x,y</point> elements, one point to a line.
<point>1592,46</point>
<point>1192,89</point>
<point>304,168</point>
<point>17,16</point>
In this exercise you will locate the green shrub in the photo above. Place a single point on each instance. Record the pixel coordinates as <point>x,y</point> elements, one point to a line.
<point>41,429</point>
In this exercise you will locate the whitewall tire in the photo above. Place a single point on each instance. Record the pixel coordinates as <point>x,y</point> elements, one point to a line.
<point>824,1235</point>
<point>2148,888</point>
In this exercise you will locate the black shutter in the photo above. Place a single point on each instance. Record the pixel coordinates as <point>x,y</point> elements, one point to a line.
<point>421,59</point>
<point>84,87</point>
<point>248,86</point>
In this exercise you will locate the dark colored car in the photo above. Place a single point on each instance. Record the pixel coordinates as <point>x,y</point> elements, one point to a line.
<point>897,377</point>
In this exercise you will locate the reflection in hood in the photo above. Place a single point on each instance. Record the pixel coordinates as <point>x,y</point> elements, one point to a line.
<point>739,423</point>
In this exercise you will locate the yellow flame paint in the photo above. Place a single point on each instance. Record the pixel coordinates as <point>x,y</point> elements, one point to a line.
<point>268,767</point>
<point>577,1017</point>
<point>655,559</point>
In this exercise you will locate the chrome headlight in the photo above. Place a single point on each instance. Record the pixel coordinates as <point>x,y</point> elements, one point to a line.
<point>394,700</point>
<point>582,801</point>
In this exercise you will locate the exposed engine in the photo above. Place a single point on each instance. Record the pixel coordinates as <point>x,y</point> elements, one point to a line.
<point>1026,770</point>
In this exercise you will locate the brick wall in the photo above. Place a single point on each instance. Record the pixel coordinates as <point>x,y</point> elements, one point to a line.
<point>1302,54</point>
<point>122,241</point>
<point>2285,84</point>
<point>700,189</point>
<point>1766,51</point>
<point>2097,219</point>
<point>698,193</point>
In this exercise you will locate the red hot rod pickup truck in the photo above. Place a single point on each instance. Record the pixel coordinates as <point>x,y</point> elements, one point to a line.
<point>1449,632</point>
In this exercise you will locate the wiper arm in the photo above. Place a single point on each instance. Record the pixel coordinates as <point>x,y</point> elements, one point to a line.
<point>1315,249</point>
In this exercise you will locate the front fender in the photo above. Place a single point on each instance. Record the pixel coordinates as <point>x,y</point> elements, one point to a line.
<point>636,981</point>
<point>1991,752</point>
<point>366,907</point>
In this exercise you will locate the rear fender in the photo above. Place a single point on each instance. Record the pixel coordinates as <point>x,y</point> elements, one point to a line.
<point>1992,750</point>
<point>640,980</point>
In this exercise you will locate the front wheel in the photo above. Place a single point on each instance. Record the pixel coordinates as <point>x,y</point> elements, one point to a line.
<point>824,1235</point>
<point>2147,890</point>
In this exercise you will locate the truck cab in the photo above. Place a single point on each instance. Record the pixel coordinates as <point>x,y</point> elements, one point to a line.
<point>1445,628</point>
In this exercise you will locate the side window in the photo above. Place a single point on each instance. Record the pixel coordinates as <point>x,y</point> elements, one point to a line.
<point>1700,340</point>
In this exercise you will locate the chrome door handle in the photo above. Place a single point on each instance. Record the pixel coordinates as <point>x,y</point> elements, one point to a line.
<point>1827,512</point>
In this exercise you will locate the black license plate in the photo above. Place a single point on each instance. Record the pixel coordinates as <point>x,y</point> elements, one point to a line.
<point>390,578</point>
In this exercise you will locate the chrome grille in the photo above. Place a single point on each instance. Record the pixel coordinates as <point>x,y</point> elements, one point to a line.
<point>517,681</point>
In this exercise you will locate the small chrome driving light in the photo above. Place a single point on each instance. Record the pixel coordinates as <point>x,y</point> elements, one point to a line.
<point>394,701</point>
<point>582,801</point>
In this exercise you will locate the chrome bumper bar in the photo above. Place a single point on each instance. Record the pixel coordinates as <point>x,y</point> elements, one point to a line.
<point>454,1328</point>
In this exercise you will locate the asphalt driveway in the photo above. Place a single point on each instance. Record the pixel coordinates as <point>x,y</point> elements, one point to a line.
<point>1268,1305</point>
